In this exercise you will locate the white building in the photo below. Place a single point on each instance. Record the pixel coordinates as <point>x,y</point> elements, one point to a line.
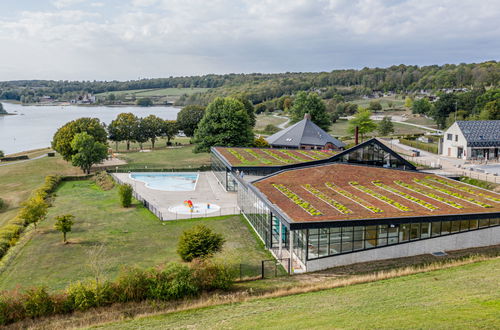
<point>479,139</point>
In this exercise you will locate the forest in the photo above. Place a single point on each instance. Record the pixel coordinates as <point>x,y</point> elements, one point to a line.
<point>260,87</point>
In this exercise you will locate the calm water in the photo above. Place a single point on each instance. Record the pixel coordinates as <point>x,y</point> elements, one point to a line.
<point>34,126</point>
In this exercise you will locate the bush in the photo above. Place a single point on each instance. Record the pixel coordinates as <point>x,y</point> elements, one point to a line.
<point>271,129</point>
<point>131,285</point>
<point>261,143</point>
<point>175,281</point>
<point>3,205</point>
<point>125,192</point>
<point>85,295</point>
<point>199,242</point>
<point>37,303</point>
<point>213,276</point>
<point>2,154</point>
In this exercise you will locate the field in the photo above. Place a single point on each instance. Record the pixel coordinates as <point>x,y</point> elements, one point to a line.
<point>397,102</point>
<point>160,92</point>
<point>132,236</point>
<point>178,157</point>
<point>462,297</point>
<point>340,129</point>
<point>264,120</point>
<point>17,181</point>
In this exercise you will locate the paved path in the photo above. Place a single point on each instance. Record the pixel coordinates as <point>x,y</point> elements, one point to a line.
<point>283,125</point>
<point>24,161</point>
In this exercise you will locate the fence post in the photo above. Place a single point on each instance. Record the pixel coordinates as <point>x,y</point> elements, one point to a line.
<point>262,269</point>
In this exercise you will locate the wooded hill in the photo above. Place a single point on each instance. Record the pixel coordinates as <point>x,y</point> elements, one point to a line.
<point>260,87</point>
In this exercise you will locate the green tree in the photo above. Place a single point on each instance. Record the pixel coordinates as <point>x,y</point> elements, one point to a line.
<point>144,102</point>
<point>34,210</point>
<point>152,128</point>
<point>88,151</point>
<point>2,110</point>
<point>64,224</point>
<point>385,127</point>
<point>62,138</point>
<point>199,242</point>
<point>408,102</point>
<point>125,193</point>
<point>491,110</point>
<point>169,130</point>
<point>225,123</point>
<point>422,106</point>
<point>363,121</point>
<point>140,132</point>
<point>124,127</point>
<point>248,107</point>
<point>313,105</point>
<point>443,107</point>
<point>111,98</point>
<point>375,106</point>
<point>260,142</point>
<point>189,117</point>
<point>2,154</point>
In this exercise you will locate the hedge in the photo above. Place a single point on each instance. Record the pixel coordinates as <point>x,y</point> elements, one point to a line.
<point>10,233</point>
<point>171,282</point>
<point>420,145</point>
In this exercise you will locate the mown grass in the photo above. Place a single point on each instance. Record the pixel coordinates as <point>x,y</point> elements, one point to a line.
<point>341,126</point>
<point>263,120</point>
<point>131,237</point>
<point>178,157</point>
<point>18,180</point>
<point>461,297</point>
<point>384,101</point>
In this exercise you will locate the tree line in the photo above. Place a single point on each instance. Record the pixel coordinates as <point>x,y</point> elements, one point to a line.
<point>261,87</point>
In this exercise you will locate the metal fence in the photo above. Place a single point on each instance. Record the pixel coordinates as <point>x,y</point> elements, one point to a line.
<point>275,267</point>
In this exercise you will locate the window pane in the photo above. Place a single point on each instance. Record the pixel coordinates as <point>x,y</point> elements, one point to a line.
<point>445,227</point>
<point>494,222</point>
<point>415,231</point>
<point>358,245</point>
<point>464,225</point>
<point>436,228</point>
<point>404,232</point>
<point>455,226</point>
<point>371,236</point>
<point>484,223</point>
<point>473,224</point>
<point>382,235</point>
<point>425,230</point>
<point>393,235</point>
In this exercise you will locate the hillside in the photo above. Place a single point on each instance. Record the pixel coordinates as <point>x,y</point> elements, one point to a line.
<point>461,297</point>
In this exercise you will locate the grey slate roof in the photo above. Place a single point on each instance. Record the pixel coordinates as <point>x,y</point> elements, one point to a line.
<point>481,133</point>
<point>305,132</point>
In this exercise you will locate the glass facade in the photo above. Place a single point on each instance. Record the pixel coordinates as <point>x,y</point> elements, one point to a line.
<point>257,213</point>
<point>223,175</point>
<point>374,155</point>
<point>335,240</point>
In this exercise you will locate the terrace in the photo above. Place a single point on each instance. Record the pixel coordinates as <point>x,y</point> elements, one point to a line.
<point>338,192</point>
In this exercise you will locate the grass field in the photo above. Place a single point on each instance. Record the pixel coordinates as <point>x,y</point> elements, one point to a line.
<point>264,120</point>
<point>132,236</point>
<point>156,92</point>
<point>181,157</point>
<point>396,102</point>
<point>462,297</point>
<point>17,181</point>
<point>340,128</point>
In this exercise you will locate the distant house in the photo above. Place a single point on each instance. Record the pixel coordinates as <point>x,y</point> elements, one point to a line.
<point>479,139</point>
<point>304,135</point>
<point>86,98</point>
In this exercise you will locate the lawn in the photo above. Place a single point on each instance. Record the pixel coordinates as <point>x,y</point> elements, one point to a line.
<point>131,237</point>
<point>340,129</point>
<point>177,157</point>
<point>462,297</point>
<point>384,101</point>
<point>17,181</point>
<point>264,120</point>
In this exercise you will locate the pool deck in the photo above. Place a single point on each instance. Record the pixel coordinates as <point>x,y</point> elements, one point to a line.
<point>207,190</point>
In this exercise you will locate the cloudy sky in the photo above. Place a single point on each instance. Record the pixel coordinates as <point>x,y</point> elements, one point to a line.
<point>130,39</point>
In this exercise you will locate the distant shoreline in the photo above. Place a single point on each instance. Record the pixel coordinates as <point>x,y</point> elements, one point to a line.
<point>66,104</point>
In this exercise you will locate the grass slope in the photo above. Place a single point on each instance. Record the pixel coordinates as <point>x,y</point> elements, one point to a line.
<point>182,157</point>
<point>455,298</point>
<point>159,92</point>
<point>17,181</point>
<point>131,236</point>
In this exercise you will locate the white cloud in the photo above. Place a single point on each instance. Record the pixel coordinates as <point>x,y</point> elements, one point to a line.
<point>178,37</point>
<point>66,3</point>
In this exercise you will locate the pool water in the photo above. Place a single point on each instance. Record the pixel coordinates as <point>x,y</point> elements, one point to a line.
<point>167,181</point>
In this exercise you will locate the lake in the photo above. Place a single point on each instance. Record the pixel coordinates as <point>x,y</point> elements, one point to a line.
<point>34,126</point>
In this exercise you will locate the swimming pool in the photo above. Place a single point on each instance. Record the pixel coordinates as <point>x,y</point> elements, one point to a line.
<point>168,181</point>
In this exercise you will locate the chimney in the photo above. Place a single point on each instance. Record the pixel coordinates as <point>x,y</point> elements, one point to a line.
<point>307,116</point>
<point>356,136</point>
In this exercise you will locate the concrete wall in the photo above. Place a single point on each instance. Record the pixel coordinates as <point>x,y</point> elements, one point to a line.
<point>477,238</point>
<point>453,145</point>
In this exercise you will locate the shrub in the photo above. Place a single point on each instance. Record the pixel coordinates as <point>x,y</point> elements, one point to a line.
<point>37,303</point>
<point>212,276</point>
<point>2,154</point>
<point>125,192</point>
<point>131,285</point>
<point>175,281</point>
<point>103,180</point>
<point>3,205</point>
<point>199,242</point>
<point>261,143</point>
<point>85,295</point>
<point>271,129</point>
<point>11,309</point>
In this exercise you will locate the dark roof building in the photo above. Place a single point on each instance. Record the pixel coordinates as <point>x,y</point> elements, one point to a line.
<point>304,135</point>
<point>474,139</point>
